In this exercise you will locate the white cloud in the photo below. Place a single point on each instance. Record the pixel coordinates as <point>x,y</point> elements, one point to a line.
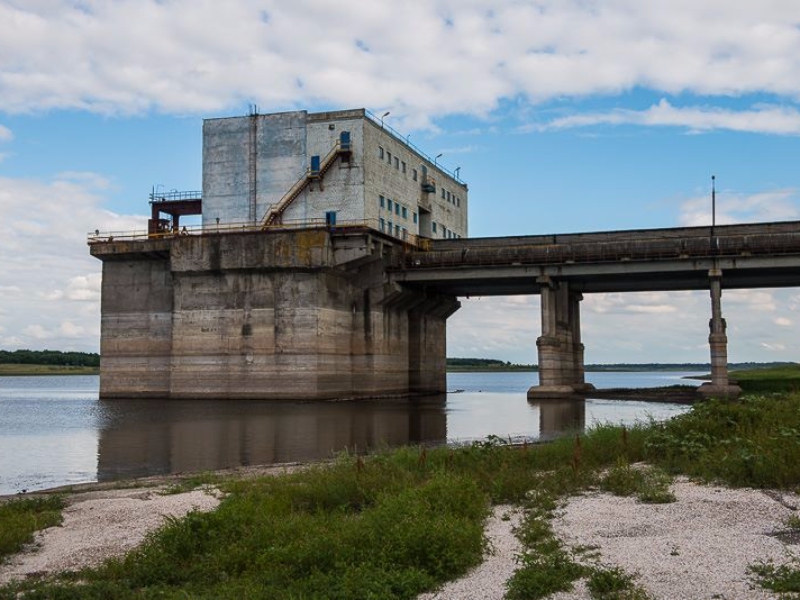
<point>51,291</point>
<point>762,119</point>
<point>783,322</point>
<point>5,134</point>
<point>734,207</point>
<point>422,59</point>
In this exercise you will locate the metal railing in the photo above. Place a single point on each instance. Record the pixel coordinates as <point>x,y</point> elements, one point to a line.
<point>411,240</point>
<point>405,140</point>
<point>609,251</point>
<point>175,195</point>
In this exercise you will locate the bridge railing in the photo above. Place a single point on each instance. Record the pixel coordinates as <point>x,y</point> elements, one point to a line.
<point>611,251</point>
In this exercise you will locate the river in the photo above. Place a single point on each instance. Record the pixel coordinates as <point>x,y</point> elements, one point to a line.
<point>54,431</point>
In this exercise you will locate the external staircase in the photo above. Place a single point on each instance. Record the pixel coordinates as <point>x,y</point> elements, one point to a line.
<point>316,172</point>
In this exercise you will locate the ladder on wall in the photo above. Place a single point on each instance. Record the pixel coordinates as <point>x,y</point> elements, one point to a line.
<point>315,172</point>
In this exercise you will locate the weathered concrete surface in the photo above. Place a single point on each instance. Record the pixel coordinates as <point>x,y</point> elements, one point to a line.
<point>280,315</point>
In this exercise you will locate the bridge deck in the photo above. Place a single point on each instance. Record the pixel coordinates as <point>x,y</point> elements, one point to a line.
<point>750,256</point>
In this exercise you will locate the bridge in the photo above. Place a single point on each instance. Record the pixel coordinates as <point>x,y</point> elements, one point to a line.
<point>316,311</point>
<point>561,268</point>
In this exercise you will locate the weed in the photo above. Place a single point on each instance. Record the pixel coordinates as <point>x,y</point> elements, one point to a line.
<point>614,584</point>
<point>19,519</point>
<point>783,579</point>
<point>648,484</point>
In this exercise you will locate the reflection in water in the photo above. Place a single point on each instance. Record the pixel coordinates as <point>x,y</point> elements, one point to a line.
<point>558,416</point>
<point>139,437</point>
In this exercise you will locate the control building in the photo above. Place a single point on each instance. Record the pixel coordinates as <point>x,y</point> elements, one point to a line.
<point>336,168</point>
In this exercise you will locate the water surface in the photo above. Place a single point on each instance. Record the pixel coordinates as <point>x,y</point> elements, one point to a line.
<point>54,431</point>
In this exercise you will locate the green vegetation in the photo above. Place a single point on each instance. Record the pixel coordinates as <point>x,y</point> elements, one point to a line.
<point>19,519</point>
<point>394,524</point>
<point>782,378</point>
<point>48,362</point>
<point>50,357</point>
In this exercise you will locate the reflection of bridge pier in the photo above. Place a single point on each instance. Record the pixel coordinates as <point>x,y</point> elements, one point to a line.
<point>557,417</point>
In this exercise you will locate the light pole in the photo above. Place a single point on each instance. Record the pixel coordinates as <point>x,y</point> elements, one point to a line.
<point>713,204</point>
<point>457,172</point>
<point>383,116</point>
<point>438,156</point>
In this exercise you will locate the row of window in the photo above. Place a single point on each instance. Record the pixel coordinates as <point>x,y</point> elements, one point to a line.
<point>399,209</point>
<point>400,165</point>
<point>451,198</point>
<point>392,229</point>
<point>446,233</point>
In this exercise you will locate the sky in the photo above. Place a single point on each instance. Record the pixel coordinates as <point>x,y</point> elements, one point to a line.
<point>563,116</point>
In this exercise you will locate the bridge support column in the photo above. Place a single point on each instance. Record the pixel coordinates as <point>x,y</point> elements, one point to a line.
<point>720,386</point>
<point>561,372</point>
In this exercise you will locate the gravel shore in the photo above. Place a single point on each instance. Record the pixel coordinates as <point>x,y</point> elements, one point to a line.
<point>698,547</point>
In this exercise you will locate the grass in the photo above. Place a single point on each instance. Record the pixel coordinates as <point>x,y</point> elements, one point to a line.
<point>17,370</point>
<point>19,519</point>
<point>398,523</point>
<point>767,381</point>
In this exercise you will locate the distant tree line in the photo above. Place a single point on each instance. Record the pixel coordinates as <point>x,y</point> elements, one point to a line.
<point>49,357</point>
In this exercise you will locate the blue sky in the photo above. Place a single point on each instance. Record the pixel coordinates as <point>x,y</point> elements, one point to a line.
<point>563,116</point>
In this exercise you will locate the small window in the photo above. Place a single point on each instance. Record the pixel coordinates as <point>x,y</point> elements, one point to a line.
<point>380,152</point>
<point>458,202</point>
<point>396,163</point>
<point>414,174</point>
<point>415,218</point>
<point>389,204</point>
<point>405,213</point>
<point>397,230</point>
<point>382,223</point>
<point>389,228</point>
<point>389,157</point>
<point>383,202</point>
<point>330,218</point>
<point>397,208</point>
<point>448,196</point>
<point>403,168</point>
<point>444,231</point>
<point>442,193</point>
<point>433,226</point>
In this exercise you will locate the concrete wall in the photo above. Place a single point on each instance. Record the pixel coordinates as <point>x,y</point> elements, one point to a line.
<point>136,328</point>
<point>283,315</point>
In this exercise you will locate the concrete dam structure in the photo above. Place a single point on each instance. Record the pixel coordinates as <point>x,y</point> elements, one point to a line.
<point>301,314</point>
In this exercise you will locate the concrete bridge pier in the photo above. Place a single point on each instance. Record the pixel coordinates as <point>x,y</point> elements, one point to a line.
<point>561,372</point>
<point>719,386</point>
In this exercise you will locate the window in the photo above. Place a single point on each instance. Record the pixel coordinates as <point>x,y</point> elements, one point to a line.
<point>380,152</point>
<point>448,196</point>
<point>396,163</point>
<point>330,218</point>
<point>397,230</point>
<point>403,169</point>
<point>389,204</point>
<point>415,218</point>
<point>405,213</point>
<point>397,208</point>
<point>444,231</point>
<point>442,193</point>
<point>383,223</point>
<point>389,228</point>
<point>433,226</point>
<point>383,201</point>
<point>414,174</point>
<point>389,157</point>
<point>458,202</point>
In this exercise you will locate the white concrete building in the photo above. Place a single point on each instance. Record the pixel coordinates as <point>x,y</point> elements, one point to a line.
<point>341,167</point>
